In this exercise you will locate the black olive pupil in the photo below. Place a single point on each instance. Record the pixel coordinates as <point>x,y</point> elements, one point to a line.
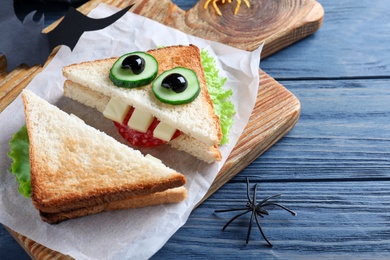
<point>134,63</point>
<point>176,82</point>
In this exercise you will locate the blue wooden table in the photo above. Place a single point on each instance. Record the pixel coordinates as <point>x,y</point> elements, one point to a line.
<point>333,168</point>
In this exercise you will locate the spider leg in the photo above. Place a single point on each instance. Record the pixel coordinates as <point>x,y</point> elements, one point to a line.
<point>259,206</point>
<point>260,211</point>
<point>248,190</point>
<point>281,206</point>
<point>257,209</point>
<point>247,3</point>
<point>254,194</point>
<point>227,210</point>
<point>261,231</point>
<point>250,227</point>
<point>233,218</point>
<point>250,200</point>
<point>253,214</point>
<point>268,198</point>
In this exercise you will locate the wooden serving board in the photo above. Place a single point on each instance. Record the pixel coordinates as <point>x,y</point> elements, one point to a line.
<point>277,24</point>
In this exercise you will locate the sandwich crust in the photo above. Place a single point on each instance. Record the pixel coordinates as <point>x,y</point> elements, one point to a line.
<point>169,196</point>
<point>75,166</point>
<point>184,142</point>
<point>196,119</point>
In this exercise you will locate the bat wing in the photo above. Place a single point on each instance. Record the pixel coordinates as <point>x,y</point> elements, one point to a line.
<point>23,42</point>
<point>74,24</point>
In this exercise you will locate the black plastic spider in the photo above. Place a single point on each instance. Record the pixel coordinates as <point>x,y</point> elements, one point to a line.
<point>256,209</point>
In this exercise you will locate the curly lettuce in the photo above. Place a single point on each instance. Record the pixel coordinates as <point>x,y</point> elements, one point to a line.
<point>223,107</point>
<point>20,155</point>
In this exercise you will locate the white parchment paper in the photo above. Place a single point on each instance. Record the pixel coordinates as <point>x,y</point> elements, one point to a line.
<point>134,233</point>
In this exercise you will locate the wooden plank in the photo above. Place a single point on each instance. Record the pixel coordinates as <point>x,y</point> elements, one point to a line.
<point>35,250</point>
<point>276,111</point>
<point>351,43</point>
<point>343,133</point>
<point>9,247</point>
<point>336,220</point>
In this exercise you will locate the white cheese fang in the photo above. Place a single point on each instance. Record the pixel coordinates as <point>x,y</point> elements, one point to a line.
<point>140,120</point>
<point>116,110</point>
<point>164,132</point>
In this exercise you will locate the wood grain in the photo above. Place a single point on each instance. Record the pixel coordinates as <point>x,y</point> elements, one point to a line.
<point>335,220</point>
<point>278,23</point>
<point>351,44</point>
<point>343,133</point>
<point>276,112</point>
<point>281,24</point>
<point>332,168</point>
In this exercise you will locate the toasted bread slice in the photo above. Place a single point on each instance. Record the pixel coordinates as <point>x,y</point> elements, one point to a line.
<point>76,166</point>
<point>184,142</point>
<point>164,197</point>
<point>196,119</point>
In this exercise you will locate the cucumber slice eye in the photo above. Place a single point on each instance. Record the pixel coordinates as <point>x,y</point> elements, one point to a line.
<point>134,70</point>
<point>176,86</point>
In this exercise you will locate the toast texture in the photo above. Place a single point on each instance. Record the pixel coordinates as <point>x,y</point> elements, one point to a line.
<point>169,196</point>
<point>75,166</point>
<point>99,101</point>
<point>196,119</point>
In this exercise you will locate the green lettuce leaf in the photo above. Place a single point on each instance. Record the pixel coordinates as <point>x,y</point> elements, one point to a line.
<point>20,155</point>
<point>223,107</point>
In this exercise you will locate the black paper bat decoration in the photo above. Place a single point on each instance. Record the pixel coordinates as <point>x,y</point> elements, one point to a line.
<point>24,42</point>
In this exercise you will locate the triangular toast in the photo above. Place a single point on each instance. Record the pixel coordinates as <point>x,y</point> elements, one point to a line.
<point>196,119</point>
<point>75,166</point>
<point>184,142</point>
<point>169,196</point>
